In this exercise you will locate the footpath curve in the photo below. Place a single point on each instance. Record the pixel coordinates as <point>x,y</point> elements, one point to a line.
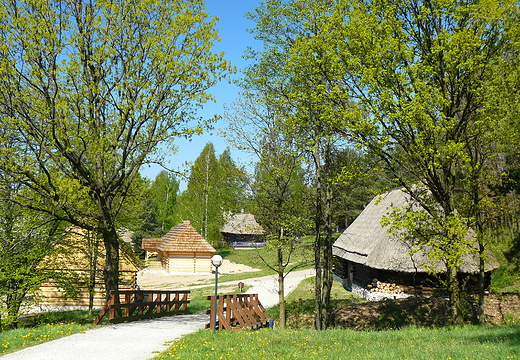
<point>142,340</point>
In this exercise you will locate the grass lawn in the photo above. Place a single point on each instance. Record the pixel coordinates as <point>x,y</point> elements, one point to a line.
<point>300,303</point>
<point>469,342</point>
<point>300,342</point>
<point>253,258</point>
<point>36,329</point>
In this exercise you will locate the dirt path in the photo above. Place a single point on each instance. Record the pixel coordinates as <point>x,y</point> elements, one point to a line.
<point>159,279</point>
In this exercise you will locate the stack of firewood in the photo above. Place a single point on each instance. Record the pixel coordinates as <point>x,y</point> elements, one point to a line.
<point>391,288</point>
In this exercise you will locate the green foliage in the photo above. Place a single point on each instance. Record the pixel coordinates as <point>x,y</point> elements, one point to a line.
<point>292,75</point>
<point>89,90</point>
<point>156,211</point>
<point>355,180</point>
<point>163,193</point>
<point>215,189</point>
<point>26,238</point>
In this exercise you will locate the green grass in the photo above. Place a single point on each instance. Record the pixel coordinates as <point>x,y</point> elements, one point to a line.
<point>251,257</point>
<point>301,342</point>
<point>34,330</point>
<point>300,303</point>
<point>505,280</point>
<point>469,342</point>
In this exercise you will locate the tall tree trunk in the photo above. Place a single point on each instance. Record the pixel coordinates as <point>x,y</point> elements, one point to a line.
<point>281,289</point>
<point>93,254</point>
<point>327,256</point>
<point>111,268</point>
<point>13,304</point>
<point>318,244</point>
<point>481,280</point>
<point>206,198</point>
<point>323,244</point>
<point>455,303</point>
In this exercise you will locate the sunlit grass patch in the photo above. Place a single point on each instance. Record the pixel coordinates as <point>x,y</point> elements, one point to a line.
<point>470,342</point>
<point>16,339</point>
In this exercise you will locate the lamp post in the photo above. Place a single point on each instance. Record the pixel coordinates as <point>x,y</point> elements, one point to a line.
<point>216,260</point>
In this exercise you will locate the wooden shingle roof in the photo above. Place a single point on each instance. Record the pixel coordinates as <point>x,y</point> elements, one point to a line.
<point>150,244</point>
<point>182,238</point>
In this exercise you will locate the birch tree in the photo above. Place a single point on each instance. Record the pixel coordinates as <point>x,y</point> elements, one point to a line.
<point>279,192</point>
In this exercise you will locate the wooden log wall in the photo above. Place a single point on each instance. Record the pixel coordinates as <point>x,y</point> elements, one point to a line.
<point>50,294</point>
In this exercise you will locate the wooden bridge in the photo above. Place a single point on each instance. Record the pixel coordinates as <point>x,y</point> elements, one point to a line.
<point>128,305</point>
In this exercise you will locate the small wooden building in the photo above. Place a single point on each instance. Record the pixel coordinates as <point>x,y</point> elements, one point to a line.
<point>366,252</point>
<point>78,266</point>
<point>243,231</point>
<point>182,249</point>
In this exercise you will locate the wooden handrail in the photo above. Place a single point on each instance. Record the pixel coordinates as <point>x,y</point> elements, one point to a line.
<point>128,305</point>
<point>237,311</point>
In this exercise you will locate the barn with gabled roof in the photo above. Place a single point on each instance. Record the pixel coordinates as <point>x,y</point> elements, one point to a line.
<point>182,249</point>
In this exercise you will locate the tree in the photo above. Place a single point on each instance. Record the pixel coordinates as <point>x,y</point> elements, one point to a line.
<point>213,190</point>
<point>356,179</point>
<point>155,214</point>
<point>91,89</point>
<point>163,193</point>
<point>233,183</point>
<point>292,72</point>
<point>279,191</point>
<point>418,69</point>
<point>26,238</point>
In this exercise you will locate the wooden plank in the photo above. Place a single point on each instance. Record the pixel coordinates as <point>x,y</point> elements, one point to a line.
<point>152,306</point>
<point>101,314</point>
<point>242,314</point>
<point>238,311</point>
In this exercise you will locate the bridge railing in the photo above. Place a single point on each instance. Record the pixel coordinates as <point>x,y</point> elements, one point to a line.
<point>128,305</point>
<point>237,311</point>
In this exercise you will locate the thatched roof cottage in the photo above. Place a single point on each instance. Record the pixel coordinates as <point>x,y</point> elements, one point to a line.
<point>182,249</point>
<point>367,251</point>
<point>243,231</point>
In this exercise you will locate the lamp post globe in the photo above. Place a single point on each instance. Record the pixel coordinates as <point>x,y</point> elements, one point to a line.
<point>216,260</point>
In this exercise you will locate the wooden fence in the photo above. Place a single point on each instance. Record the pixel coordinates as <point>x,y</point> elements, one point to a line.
<point>143,304</point>
<point>238,311</point>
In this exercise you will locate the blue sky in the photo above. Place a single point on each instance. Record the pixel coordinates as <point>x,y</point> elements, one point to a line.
<point>232,28</point>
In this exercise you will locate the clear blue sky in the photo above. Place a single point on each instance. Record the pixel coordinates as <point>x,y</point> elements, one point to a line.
<point>232,28</point>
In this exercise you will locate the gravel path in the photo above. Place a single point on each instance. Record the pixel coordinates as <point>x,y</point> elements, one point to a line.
<point>141,340</point>
<point>137,340</point>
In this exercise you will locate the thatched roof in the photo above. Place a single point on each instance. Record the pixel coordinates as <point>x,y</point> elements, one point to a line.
<point>243,224</point>
<point>366,242</point>
<point>182,238</point>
